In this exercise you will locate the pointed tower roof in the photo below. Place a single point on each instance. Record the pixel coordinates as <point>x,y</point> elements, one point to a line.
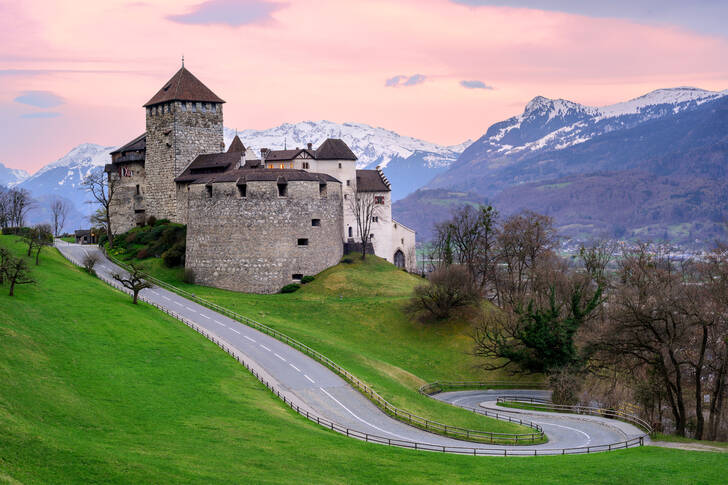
<point>236,146</point>
<point>184,86</point>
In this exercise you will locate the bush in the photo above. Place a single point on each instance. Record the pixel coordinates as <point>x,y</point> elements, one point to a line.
<point>189,276</point>
<point>449,289</point>
<point>161,222</point>
<point>89,262</point>
<point>174,256</point>
<point>151,221</point>
<point>347,260</point>
<point>143,253</point>
<point>307,279</point>
<point>566,385</point>
<point>290,288</point>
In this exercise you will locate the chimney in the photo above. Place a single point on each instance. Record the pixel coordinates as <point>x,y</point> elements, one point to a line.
<point>309,145</point>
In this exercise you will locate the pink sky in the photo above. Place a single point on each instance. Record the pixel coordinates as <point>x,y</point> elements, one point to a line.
<point>321,59</point>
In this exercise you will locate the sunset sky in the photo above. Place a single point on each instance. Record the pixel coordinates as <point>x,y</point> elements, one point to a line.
<point>79,71</point>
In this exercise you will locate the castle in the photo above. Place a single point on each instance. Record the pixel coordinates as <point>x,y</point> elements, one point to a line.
<point>255,221</point>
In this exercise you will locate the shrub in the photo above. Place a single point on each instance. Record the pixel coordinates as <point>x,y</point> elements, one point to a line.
<point>290,288</point>
<point>347,260</point>
<point>307,279</point>
<point>143,253</point>
<point>161,222</point>
<point>449,289</point>
<point>189,276</point>
<point>151,221</point>
<point>89,262</point>
<point>174,256</point>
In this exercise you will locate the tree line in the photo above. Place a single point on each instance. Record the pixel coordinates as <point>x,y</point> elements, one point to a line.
<point>617,324</point>
<point>15,203</point>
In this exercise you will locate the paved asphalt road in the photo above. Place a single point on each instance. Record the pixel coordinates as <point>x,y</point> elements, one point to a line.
<point>329,396</point>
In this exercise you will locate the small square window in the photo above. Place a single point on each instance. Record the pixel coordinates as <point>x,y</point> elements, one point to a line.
<point>375,218</point>
<point>339,164</point>
<point>297,276</point>
<point>371,236</point>
<point>348,183</point>
<point>316,222</point>
<point>403,241</point>
<point>379,199</point>
<point>303,242</point>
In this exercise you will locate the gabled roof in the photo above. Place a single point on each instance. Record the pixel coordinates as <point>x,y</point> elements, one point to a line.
<point>334,149</point>
<point>184,86</point>
<point>209,162</point>
<point>236,146</point>
<point>280,155</point>
<point>371,181</point>
<point>244,175</point>
<point>138,143</point>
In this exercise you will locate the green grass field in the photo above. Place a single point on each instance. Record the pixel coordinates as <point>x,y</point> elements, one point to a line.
<point>95,389</point>
<point>353,313</point>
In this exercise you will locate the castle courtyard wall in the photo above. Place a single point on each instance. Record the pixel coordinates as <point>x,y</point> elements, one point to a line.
<point>251,243</point>
<point>127,207</point>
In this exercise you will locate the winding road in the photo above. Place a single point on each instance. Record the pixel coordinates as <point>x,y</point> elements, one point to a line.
<point>316,388</point>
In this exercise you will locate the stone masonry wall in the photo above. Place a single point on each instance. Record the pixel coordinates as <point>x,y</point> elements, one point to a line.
<point>250,243</point>
<point>126,204</point>
<point>176,133</point>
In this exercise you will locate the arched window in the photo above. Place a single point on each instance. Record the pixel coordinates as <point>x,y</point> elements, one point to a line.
<point>399,259</point>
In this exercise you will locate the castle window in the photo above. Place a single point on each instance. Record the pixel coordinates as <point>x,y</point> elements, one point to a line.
<point>282,165</point>
<point>305,165</point>
<point>137,190</point>
<point>351,232</point>
<point>203,107</point>
<point>371,236</point>
<point>395,225</point>
<point>283,189</point>
<point>194,107</point>
<point>243,190</point>
<point>379,199</point>
<point>346,196</point>
<point>208,190</point>
<point>297,276</point>
<point>339,164</point>
<point>375,218</point>
<point>348,183</point>
<point>322,189</point>
<point>184,106</point>
<point>316,222</point>
<point>402,241</point>
<point>303,242</point>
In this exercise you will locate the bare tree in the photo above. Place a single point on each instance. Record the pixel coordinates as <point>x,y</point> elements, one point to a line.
<point>449,289</point>
<point>14,206</point>
<point>5,258</point>
<point>4,207</point>
<point>37,238</point>
<point>17,273</point>
<point>89,262</point>
<point>59,212</point>
<point>134,281</point>
<point>365,206</point>
<point>102,188</point>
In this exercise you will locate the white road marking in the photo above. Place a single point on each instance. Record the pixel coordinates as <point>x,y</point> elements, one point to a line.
<point>266,348</point>
<point>252,340</point>
<point>235,331</point>
<point>360,419</point>
<point>566,427</point>
<point>205,316</point>
<point>190,309</point>
<point>153,292</point>
<point>284,360</point>
<point>166,297</point>
<point>177,303</point>
<point>297,369</point>
<point>310,380</point>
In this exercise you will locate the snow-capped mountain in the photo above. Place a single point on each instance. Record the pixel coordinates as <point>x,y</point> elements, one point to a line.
<point>408,162</point>
<point>63,179</point>
<point>11,176</point>
<point>550,125</point>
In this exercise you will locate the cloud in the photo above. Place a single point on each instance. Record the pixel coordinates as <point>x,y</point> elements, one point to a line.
<point>413,80</point>
<point>39,99</point>
<point>229,12</point>
<point>475,85</point>
<point>43,114</point>
<point>707,16</point>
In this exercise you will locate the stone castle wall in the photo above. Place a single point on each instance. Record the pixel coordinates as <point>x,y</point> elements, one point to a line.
<point>127,207</point>
<point>176,133</point>
<point>251,243</point>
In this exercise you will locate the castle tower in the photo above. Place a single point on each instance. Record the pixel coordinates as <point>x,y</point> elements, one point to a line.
<point>184,120</point>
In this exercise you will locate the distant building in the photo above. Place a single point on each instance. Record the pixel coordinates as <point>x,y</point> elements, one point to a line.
<point>85,236</point>
<point>255,221</point>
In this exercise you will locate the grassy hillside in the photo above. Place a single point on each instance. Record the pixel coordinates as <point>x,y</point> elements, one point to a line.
<point>94,389</point>
<point>353,313</point>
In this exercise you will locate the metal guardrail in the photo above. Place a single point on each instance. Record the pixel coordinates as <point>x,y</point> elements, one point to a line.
<point>399,414</point>
<point>547,405</point>
<point>370,438</point>
<point>442,386</point>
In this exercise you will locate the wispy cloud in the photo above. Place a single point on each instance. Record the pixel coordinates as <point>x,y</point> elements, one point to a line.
<point>41,115</point>
<point>229,12</point>
<point>475,84</point>
<point>413,80</point>
<point>40,99</point>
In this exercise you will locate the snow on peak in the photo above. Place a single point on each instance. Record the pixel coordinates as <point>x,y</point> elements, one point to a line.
<point>86,154</point>
<point>372,145</point>
<point>554,107</point>
<point>12,176</point>
<point>671,96</point>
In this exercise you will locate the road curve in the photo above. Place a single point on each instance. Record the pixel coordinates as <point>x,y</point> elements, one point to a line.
<point>319,390</point>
